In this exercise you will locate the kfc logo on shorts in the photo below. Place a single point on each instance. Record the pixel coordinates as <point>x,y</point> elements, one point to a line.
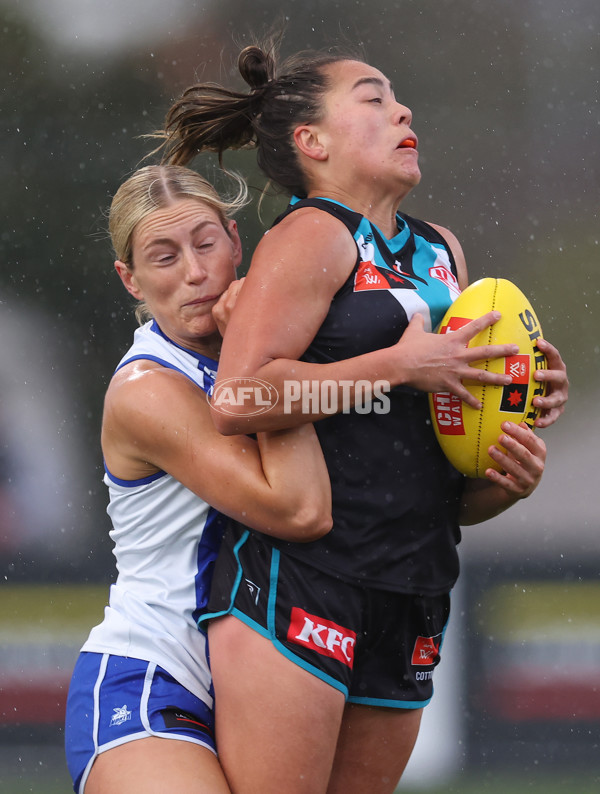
<point>426,650</point>
<point>322,636</point>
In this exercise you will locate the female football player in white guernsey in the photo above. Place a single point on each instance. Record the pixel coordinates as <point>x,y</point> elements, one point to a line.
<point>140,706</point>
<point>343,290</point>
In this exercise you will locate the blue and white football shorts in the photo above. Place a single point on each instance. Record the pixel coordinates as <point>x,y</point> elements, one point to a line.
<point>113,700</point>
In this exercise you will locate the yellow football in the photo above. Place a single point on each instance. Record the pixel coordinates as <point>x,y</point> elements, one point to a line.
<point>465,433</point>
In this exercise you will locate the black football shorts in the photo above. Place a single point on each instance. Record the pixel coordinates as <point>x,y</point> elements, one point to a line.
<point>379,648</point>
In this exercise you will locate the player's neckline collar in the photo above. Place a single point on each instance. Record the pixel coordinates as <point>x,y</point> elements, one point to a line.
<point>206,361</point>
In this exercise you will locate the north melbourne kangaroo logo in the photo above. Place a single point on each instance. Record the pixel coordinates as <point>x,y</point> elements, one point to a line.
<point>120,715</point>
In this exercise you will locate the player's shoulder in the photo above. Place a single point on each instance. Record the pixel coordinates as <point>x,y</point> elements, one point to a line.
<point>134,375</point>
<point>145,386</point>
<point>312,223</point>
<point>448,236</point>
<point>309,240</point>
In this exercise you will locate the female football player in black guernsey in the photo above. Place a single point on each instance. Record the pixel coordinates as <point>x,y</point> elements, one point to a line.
<point>323,653</point>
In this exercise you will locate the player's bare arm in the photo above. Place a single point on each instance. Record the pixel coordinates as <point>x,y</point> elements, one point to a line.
<point>281,487</point>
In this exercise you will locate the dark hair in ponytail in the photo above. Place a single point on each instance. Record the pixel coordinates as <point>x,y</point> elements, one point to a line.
<point>209,117</point>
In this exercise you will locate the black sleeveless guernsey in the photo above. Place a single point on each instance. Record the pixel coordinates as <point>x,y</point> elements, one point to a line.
<point>395,496</point>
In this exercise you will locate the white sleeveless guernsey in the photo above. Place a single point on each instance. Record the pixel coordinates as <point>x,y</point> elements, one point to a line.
<point>166,539</point>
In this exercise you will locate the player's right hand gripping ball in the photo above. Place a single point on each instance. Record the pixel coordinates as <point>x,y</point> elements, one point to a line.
<point>465,433</point>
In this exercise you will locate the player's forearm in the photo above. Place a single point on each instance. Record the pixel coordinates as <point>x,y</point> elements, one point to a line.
<point>286,393</point>
<point>297,476</point>
<point>482,500</point>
